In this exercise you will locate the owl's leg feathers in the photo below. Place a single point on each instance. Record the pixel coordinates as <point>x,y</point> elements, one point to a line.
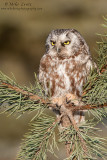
<point>71,98</point>
<point>57,100</point>
<point>67,98</point>
<point>63,101</point>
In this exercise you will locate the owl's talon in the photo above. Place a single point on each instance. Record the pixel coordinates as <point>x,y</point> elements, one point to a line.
<point>73,104</point>
<point>58,106</point>
<point>72,99</point>
<point>67,101</point>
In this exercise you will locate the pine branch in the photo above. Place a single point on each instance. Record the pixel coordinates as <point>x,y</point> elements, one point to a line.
<point>80,140</point>
<point>70,114</point>
<point>12,99</point>
<point>46,101</point>
<point>29,95</point>
<point>39,138</point>
<point>96,146</point>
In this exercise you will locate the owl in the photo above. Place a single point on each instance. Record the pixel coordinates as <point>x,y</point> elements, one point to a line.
<point>64,68</point>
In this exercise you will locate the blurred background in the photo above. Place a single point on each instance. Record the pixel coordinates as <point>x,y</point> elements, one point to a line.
<point>22,43</point>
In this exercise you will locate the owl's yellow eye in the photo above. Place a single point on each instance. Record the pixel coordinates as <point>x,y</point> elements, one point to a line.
<point>52,43</point>
<point>66,42</point>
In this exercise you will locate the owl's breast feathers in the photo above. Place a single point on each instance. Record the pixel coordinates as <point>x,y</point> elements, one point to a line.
<point>64,76</point>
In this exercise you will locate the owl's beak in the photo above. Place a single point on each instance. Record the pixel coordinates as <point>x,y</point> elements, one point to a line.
<point>58,50</point>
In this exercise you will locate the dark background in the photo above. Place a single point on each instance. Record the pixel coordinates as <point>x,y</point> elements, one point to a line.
<point>22,44</point>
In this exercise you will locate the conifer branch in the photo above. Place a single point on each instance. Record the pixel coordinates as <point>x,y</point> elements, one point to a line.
<point>80,139</point>
<point>29,95</point>
<point>70,114</point>
<point>46,101</point>
<point>39,136</point>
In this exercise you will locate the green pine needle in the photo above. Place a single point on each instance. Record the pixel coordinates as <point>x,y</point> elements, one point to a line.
<point>39,140</point>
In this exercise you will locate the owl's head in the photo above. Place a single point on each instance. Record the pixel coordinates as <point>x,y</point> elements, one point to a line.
<point>65,43</point>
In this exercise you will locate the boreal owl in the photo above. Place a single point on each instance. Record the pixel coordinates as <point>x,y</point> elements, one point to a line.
<point>64,68</point>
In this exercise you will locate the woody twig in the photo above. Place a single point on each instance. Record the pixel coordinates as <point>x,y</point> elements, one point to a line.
<point>46,101</point>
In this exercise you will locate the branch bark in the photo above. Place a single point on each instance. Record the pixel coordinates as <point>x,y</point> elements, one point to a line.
<point>46,101</point>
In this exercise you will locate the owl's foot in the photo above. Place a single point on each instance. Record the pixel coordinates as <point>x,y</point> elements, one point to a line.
<point>58,101</point>
<point>71,98</point>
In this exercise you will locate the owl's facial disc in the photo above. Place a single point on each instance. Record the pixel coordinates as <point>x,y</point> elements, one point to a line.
<point>62,45</point>
<point>59,46</point>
